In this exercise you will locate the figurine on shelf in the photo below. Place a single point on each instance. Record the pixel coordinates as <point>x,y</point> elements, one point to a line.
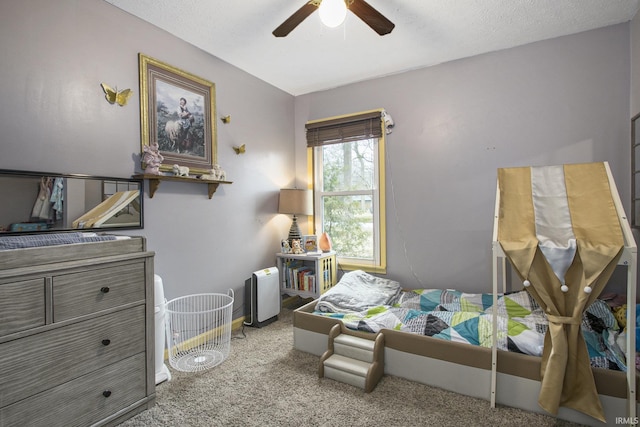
<point>152,158</point>
<point>219,172</point>
<point>296,247</point>
<point>211,176</point>
<point>284,246</point>
<point>180,170</point>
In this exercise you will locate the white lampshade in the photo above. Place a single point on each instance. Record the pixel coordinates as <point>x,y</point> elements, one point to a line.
<point>332,12</point>
<point>296,201</point>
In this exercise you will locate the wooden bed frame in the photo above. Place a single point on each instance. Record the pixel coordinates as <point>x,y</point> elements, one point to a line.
<point>463,368</point>
<point>504,378</point>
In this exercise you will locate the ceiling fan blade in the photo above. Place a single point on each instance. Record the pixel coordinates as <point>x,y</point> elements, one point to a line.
<point>371,17</point>
<point>294,20</point>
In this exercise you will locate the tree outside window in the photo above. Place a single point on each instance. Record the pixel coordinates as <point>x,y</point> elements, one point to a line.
<point>347,197</point>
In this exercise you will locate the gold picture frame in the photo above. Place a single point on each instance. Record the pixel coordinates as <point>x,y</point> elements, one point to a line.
<point>177,110</point>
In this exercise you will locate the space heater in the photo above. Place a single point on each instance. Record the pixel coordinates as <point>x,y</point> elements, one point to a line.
<point>262,297</point>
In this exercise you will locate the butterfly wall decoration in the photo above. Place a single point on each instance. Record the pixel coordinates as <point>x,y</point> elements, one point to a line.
<point>240,150</point>
<point>116,97</point>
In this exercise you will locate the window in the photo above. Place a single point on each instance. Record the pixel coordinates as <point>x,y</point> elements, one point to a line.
<point>347,161</point>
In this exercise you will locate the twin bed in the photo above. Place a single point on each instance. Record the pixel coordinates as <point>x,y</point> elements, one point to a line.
<point>362,304</point>
<point>452,349</point>
<point>443,338</point>
<point>428,333</point>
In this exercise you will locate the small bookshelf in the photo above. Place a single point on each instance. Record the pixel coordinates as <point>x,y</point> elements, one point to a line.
<point>306,275</point>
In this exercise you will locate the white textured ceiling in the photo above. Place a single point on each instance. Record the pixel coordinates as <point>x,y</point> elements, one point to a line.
<point>313,57</point>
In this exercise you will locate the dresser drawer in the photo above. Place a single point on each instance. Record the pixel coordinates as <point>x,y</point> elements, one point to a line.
<point>22,305</point>
<point>82,401</point>
<point>86,292</point>
<point>37,362</point>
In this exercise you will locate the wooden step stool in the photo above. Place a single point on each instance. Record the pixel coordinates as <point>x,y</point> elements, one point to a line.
<point>353,359</point>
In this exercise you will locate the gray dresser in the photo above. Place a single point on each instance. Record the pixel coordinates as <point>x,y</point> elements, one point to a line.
<point>76,334</point>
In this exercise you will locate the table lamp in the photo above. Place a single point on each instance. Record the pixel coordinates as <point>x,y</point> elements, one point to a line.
<point>297,202</point>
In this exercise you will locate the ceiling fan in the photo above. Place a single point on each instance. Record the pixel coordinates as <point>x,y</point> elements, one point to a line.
<point>360,8</point>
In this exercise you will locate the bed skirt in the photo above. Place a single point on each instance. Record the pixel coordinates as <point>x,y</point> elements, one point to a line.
<point>466,369</point>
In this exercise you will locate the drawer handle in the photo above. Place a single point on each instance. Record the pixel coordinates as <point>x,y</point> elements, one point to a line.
<point>104,289</point>
<point>106,393</point>
<point>106,342</point>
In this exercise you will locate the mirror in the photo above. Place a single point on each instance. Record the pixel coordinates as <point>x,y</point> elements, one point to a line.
<point>35,202</point>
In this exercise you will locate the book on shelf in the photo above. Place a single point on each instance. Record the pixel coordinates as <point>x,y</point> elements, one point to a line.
<point>287,272</point>
<point>308,280</point>
<point>298,277</point>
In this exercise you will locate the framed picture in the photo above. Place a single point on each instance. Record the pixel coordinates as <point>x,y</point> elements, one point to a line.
<point>310,244</point>
<point>177,110</point>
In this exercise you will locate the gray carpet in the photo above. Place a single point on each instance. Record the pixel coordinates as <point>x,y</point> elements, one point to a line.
<point>265,382</point>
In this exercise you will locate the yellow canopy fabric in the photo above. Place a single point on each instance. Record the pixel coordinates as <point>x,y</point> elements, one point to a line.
<point>566,377</point>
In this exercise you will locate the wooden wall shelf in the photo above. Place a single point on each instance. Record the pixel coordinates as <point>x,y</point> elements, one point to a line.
<point>154,182</point>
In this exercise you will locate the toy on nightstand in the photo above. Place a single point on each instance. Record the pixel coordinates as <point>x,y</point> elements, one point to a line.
<point>296,247</point>
<point>284,247</point>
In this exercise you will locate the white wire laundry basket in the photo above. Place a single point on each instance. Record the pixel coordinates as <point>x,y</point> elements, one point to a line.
<point>199,330</point>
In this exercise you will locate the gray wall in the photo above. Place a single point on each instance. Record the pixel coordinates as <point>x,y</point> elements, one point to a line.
<point>564,100</point>
<point>55,118</point>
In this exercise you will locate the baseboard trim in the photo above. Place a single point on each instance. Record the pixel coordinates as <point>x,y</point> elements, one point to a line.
<point>235,324</point>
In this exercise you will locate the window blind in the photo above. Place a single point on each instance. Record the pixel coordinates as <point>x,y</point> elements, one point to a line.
<point>344,129</point>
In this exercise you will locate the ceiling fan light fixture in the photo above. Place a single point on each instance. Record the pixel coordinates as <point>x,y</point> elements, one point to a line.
<point>332,12</point>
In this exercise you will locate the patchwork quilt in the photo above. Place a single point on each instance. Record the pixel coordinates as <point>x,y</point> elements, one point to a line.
<point>467,318</point>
